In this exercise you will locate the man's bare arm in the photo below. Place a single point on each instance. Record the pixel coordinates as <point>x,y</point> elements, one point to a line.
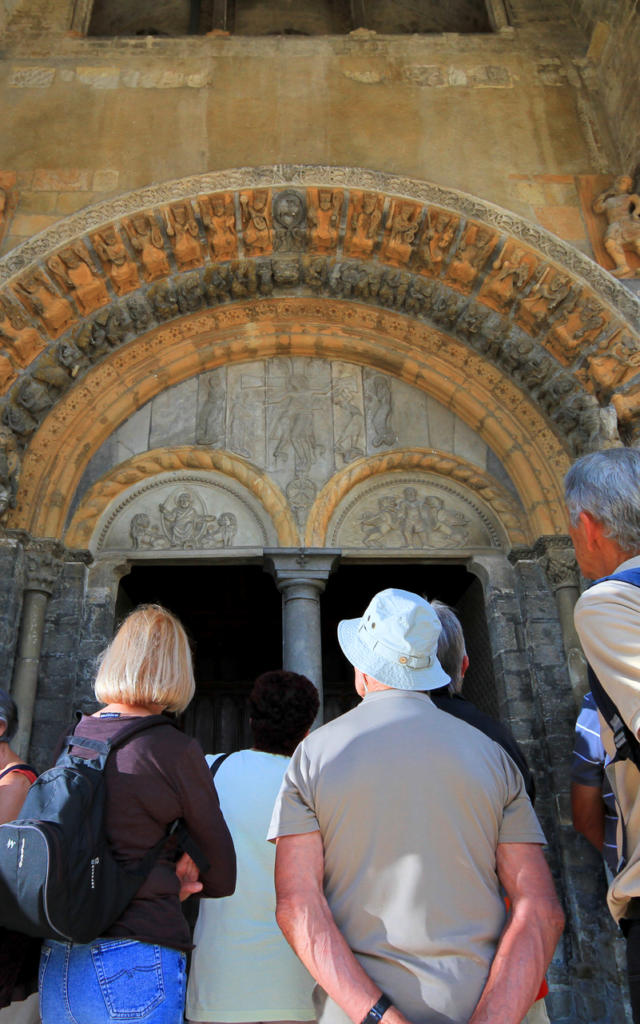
<point>529,939</point>
<point>587,812</point>
<point>305,919</point>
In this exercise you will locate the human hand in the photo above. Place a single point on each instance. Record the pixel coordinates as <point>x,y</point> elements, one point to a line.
<point>188,876</point>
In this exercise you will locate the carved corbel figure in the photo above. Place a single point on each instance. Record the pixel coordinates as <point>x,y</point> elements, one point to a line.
<point>116,261</point>
<point>72,269</point>
<point>146,239</point>
<point>37,294</point>
<point>219,219</point>
<point>183,232</point>
<point>621,207</point>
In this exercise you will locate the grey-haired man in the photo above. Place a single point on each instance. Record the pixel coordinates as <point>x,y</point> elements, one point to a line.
<point>602,492</point>
<point>395,826</point>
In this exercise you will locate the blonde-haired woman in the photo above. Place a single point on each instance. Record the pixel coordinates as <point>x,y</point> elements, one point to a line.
<point>136,971</point>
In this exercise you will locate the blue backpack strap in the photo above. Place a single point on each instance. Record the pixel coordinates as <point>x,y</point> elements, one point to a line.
<point>627,745</point>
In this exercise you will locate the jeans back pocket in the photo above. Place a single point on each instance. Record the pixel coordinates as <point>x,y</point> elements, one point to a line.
<point>130,976</point>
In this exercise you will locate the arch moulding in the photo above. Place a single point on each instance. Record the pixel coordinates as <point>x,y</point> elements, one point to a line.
<point>535,346</point>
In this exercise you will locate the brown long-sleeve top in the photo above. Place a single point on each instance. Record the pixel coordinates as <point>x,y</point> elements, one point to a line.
<point>154,778</point>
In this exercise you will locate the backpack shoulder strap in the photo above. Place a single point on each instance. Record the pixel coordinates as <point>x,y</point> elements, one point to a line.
<point>104,747</point>
<point>216,764</point>
<point>627,745</point>
<point>16,768</point>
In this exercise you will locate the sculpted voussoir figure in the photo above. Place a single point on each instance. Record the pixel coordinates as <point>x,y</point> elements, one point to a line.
<point>146,239</point>
<point>400,234</point>
<point>435,241</point>
<point>471,255</point>
<point>23,341</point>
<point>115,259</point>
<point>256,222</point>
<point>183,232</point>
<point>38,295</point>
<point>71,267</point>
<point>219,219</point>
<point>621,207</point>
<point>363,223</point>
<point>323,217</point>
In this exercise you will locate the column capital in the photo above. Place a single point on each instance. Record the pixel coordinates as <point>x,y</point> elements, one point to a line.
<point>43,564</point>
<point>558,560</point>
<point>294,566</point>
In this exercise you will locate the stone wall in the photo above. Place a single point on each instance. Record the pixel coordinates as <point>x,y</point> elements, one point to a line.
<point>613,27</point>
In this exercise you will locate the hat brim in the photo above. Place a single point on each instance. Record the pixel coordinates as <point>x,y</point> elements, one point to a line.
<point>391,673</point>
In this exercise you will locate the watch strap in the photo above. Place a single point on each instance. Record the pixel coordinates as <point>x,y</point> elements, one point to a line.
<point>377,1010</point>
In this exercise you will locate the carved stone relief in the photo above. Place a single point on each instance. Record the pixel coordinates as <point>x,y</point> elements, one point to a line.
<point>116,261</point>
<point>183,233</point>
<point>415,511</point>
<point>73,270</point>
<point>183,511</point>
<point>146,238</point>
<point>299,419</point>
<point>621,208</point>
<point>323,216</point>
<point>219,218</point>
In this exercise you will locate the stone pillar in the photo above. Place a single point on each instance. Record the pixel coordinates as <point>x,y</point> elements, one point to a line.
<point>301,575</point>
<point>43,563</point>
<point>559,563</point>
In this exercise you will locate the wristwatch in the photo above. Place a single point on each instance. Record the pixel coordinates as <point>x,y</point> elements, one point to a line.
<point>375,1013</point>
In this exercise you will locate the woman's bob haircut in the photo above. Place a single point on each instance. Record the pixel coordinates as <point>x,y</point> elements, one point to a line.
<point>147,662</point>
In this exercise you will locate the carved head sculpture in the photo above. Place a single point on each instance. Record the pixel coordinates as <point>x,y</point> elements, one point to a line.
<point>325,197</point>
<point>288,209</point>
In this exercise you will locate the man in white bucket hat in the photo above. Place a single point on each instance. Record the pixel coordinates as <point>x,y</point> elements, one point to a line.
<point>395,825</point>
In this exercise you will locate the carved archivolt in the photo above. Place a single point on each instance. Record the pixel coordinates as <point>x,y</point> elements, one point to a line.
<point>552,322</point>
<point>479,394</point>
<point>382,513</point>
<point>191,524</point>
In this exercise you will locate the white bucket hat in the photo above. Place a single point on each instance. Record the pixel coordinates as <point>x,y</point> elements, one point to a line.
<point>396,641</point>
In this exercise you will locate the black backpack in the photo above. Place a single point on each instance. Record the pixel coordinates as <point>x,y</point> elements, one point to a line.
<point>58,876</point>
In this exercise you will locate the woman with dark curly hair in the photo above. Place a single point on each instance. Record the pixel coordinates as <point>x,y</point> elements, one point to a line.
<point>242,968</point>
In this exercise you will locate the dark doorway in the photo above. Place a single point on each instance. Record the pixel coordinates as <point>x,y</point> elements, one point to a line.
<point>233,615</point>
<point>348,593</point>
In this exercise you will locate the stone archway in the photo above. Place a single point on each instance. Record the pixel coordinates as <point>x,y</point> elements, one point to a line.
<point>462,298</point>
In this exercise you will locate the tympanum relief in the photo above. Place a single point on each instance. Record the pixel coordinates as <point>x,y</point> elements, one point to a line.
<point>181,511</point>
<point>416,511</point>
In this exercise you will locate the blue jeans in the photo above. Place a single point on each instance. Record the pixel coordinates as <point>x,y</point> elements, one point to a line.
<point>111,981</point>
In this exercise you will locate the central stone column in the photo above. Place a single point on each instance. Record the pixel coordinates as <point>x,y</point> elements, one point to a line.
<point>301,575</point>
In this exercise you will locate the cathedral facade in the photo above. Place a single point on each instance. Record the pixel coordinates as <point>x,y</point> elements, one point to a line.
<point>295,305</point>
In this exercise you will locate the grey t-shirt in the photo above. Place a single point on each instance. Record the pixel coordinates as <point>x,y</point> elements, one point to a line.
<point>411,804</point>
